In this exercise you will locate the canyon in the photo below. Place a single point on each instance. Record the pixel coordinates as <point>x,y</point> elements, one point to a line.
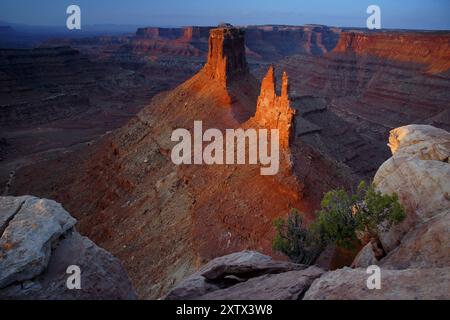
<point>341,92</point>
<point>266,43</point>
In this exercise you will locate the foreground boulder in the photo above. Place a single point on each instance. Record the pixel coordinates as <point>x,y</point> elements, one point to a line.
<point>38,243</point>
<point>410,284</point>
<point>289,285</point>
<point>246,275</point>
<point>419,172</point>
<point>426,246</point>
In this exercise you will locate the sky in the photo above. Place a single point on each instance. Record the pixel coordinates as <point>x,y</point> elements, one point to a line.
<point>400,14</point>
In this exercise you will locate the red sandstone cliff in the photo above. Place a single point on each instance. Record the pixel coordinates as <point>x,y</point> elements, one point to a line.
<point>431,50</point>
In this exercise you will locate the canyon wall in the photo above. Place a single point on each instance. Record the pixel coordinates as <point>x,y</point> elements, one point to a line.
<point>430,50</point>
<point>57,99</point>
<point>263,43</point>
<point>349,99</point>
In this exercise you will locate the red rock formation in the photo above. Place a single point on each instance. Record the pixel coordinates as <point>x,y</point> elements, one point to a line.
<point>429,49</point>
<point>274,111</point>
<point>226,57</point>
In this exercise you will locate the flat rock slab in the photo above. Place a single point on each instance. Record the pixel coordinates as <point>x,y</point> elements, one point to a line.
<point>26,243</point>
<point>227,271</point>
<point>38,245</point>
<point>102,275</point>
<point>245,264</point>
<point>408,284</point>
<point>289,285</point>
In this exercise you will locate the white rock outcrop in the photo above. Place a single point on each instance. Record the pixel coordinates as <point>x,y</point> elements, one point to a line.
<point>27,240</point>
<point>419,173</point>
<point>38,242</point>
<point>408,284</point>
<point>246,275</point>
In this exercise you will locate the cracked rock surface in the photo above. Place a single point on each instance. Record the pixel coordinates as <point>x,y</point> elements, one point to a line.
<point>39,242</point>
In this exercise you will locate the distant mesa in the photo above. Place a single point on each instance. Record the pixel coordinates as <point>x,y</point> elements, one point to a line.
<point>267,42</point>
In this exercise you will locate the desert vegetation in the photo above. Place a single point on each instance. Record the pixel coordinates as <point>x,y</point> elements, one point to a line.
<point>344,219</point>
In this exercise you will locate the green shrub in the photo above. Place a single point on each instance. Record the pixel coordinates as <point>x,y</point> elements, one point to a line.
<point>335,222</point>
<point>296,241</point>
<point>376,212</point>
<point>341,217</point>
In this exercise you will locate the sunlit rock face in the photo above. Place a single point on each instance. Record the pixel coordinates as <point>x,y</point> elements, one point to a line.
<point>273,111</point>
<point>371,83</point>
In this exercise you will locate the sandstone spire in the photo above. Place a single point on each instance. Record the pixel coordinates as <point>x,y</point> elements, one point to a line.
<point>275,112</point>
<point>268,84</point>
<point>285,86</point>
<point>226,57</point>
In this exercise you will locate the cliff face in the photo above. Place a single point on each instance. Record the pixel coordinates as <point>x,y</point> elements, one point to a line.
<point>159,33</point>
<point>55,99</point>
<point>275,42</point>
<point>191,33</point>
<point>196,33</point>
<point>431,50</point>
